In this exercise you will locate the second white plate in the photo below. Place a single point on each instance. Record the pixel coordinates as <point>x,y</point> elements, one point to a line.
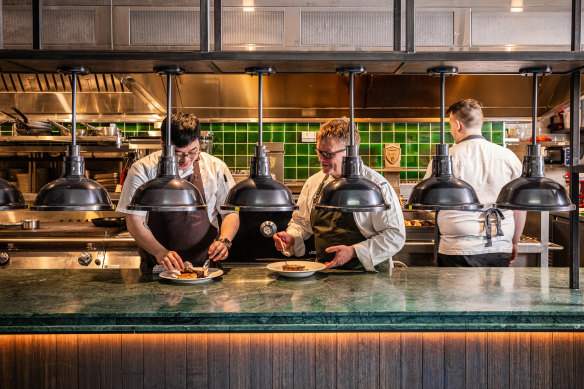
<point>171,276</point>
<point>311,268</point>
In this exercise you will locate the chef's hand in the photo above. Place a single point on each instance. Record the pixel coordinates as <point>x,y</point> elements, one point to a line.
<point>170,260</point>
<point>343,254</point>
<point>514,252</point>
<point>218,251</point>
<point>283,241</point>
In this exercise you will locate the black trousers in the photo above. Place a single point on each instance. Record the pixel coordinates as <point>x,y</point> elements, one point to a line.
<point>479,260</point>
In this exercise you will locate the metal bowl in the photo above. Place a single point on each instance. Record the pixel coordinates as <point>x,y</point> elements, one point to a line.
<point>107,131</point>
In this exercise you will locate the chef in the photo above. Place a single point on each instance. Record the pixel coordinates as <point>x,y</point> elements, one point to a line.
<point>355,240</point>
<point>489,237</point>
<point>169,238</point>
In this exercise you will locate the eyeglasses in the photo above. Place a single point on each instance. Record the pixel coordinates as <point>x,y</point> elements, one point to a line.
<point>326,154</point>
<point>190,154</point>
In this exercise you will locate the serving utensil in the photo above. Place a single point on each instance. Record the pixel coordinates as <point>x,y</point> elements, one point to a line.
<point>284,249</point>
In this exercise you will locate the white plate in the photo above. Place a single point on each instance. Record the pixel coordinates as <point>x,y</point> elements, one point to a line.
<point>172,276</point>
<point>312,267</point>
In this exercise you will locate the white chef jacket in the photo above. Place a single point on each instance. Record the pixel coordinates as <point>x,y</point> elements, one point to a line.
<point>385,231</point>
<point>487,167</point>
<point>215,174</point>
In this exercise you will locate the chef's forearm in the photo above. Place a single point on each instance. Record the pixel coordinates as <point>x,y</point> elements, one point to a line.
<point>143,236</point>
<point>519,219</point>
<point>230,226</point>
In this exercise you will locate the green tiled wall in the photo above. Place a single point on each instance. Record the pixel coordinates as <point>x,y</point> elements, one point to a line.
<point>234,143</point>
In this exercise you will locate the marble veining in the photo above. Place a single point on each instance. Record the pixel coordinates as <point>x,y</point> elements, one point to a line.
<point>255,299</point>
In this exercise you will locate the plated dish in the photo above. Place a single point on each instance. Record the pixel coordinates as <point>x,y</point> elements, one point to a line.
<point>188,278</point>
<point>296,269</point>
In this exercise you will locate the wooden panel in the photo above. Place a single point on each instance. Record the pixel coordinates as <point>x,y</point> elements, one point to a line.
<point>433,360</point>
<point>411,349</point>
<point>283,363</point>
<point>541,360</point>
<point>23,359</point>
<point>519,357</point>
<point>390,360</point>
<point>368,360</point>
<point>326,360</point>
<point>7,366</point>
<point>563,359</point>
<point>132,361</point>
<point>578,358</point>
<point>304,357</point>
<point>347,360</point>
<point>498,359</point>
<point>476,360</point>
<point>197,361</point>
<point>111,360</point>
<point>239,361</point>
<point>218,360</point>
<point>154,361</point>
<point>260,351</point>
<point>44,360</point>
<point>455,360</point>
<point>89,374</point>
<point>175,360</point>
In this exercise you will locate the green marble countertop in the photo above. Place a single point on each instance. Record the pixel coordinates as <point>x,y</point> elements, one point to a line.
<point>248,299</point>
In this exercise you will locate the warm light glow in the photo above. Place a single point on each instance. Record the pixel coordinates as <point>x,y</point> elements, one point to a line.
<point>516,9</point>
<point>516,5</point>
<point>250,47</point>
<point>510,47</point>
<point>248,9</point>
<point>248,5</point>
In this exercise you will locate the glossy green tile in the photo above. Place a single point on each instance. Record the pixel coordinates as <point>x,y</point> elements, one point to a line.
<point>313,161</point>
<point>412,175</point>
<point>313,170</point>
<point>314,126</point>
<point>218,137</point>
<point>487,135</point>
<point>244,127</point>
<point>412,149</point>
<point>400,137</point>
<point>411,162</point>
<point>403,149</point>
<point>229,149</point>
<point>448,138</point>
<point>424,137</point>
<point>217,149</point>
<point>497,126</point>
<point>375,149</point>
<point>289,173</point>
<point>411,137</point>
<point>399,127</point>
<point>217,127</point>
<point>423,161</point>
<point>229,127</point>
<point>365,159</point>
<point>301,127</point>
<point>423,128</point>
<point>376,127</point>
<point>387,137</point>
<point>364,149</point>
<point>290,150</point>
<point>289,161</point>
<point>424,149</point>
<point>435,137</point>
<point>302,149</point>
<point>375,137</point>
<point>302,173</point>
<point>240,137</point>
<point>402,175</point>
<point>412,127</point>
<point>229,137</point>
<point>497,138</point>
<point>240,149</point>
<point>229,161</point>
<point>252,137</point>
<point>278,137</point>
<point>302,161</point>
<point>242,162</point>
<point>486,126</point>
<point>291,137</point>
<point>267,136</point>
<point>250,149</point>
<point>375,161</point>
<point>362,127</point>
<point>280,127</point>
<point>364,137</point>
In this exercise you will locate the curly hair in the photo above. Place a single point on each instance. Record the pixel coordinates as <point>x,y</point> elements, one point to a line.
<point>184,129</point>
<point>468,111</point>
<point>338,129</point>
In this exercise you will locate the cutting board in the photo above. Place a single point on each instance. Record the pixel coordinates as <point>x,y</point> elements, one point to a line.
<point>62,229</point>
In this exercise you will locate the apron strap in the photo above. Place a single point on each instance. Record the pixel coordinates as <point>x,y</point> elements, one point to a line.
<point>498,217</point>
<point>315,198</point>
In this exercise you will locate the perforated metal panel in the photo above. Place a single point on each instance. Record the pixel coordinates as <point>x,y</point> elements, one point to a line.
<point>349,28</point>
<point>69,27</point>
<point>17,26</point>
<point>258,28</point>
<point>155,28</point>
<point>520,28</point>
<point>434,28</point>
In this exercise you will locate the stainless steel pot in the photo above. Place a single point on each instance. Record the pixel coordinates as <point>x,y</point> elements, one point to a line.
<point>66,131</point>
<point>30,224</point>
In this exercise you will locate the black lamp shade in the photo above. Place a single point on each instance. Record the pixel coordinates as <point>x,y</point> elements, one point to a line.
<point>351,195</point>
<point>73,193</point>
<point>167,194</point>
<point>10,197</point>
<point>259,194</point>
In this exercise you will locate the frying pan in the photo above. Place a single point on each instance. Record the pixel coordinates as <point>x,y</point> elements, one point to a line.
<point>66,131</point>
<point>36,125</point>
<point>24,128</point>
<point>109,221</point>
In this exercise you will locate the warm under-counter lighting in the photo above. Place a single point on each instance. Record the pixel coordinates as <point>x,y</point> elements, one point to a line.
<point>510,47</point>
<point>248,9</point>
<point>516,9</point>
<point>250,47</point>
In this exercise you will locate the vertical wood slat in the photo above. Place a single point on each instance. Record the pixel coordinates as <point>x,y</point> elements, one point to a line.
<point>541,360</point>
<point>23,355</point>
<point>111,360</point>
<point>218,360</point>
<point>368,360</point>
<point>132,348</point>
<point>89,374</point>
<point>390,360</point>
<point>154,361</point>
<point>197,361</point>
<point>304,357</point>
<point>498,359</point>
<point>411,351</point>
<point>325,360</point>
<point>7,366</point>
<point>175,360</point>
<point>433,360</point>
<point>347,360</point>
<point>519,357</point>
<point>44,360</point>
<point>563,359</point>
<point>283,363</point>
<point>455,361</point>
<point>260,350</point>
<point>239,361</point>
<point>578,358</point>
<point>476,360</point>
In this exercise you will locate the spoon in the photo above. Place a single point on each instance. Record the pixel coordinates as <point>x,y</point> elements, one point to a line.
<point>284,250</point>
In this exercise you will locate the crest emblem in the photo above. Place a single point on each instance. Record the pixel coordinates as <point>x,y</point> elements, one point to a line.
<point>392,154</point>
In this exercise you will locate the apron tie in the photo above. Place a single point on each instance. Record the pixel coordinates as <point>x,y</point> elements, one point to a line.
<point>498,217</point>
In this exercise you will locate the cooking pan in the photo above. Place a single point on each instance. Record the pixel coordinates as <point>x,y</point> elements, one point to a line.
<point>66,131</point>
<point>32,128</point>
<point>109,221</point>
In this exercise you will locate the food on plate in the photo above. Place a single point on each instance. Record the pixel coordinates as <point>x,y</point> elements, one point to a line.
<point>418,223</point>
<point>190,273</point>
<point>293,267</point>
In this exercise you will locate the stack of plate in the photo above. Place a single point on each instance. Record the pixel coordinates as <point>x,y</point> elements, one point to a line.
<point>23,180</point>
<point>108,180</point>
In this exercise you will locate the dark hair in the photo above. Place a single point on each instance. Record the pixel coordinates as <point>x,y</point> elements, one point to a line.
<point>184,129</point>
<point>468,111</point>
<point>338,129</point>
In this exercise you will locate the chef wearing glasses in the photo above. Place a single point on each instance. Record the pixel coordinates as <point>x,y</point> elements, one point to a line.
<point>357,240</point>
<point>168,238</point>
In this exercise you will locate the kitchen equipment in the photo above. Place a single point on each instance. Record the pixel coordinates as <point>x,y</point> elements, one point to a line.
<point>207,142</point>
<point>27,224</point>
<point>103,131</point>
<point>66,131</point>
<point>109,221</point>
<point>556,155</point>
<point>23,127</point>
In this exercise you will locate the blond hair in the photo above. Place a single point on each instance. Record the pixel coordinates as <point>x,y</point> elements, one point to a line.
<point>338,129</point>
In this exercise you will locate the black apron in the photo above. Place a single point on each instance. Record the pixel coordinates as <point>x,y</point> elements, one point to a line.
<point>490,259</point>
<point>334,229</point>
<point>188,233</point>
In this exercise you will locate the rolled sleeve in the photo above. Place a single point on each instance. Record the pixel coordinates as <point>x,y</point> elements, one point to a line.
<point>136,177</point>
